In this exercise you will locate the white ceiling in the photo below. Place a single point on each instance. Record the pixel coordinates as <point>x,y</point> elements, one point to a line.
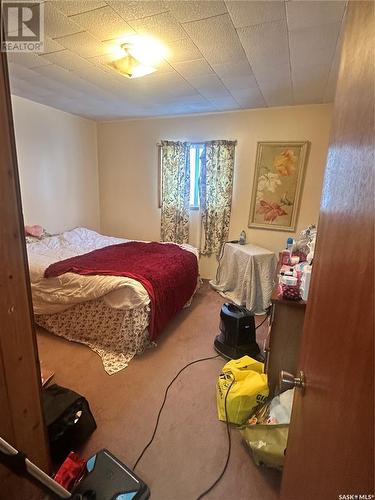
<point>223,56</point>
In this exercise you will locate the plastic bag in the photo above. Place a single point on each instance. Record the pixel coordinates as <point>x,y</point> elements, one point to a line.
<point>247,386</point>
<point>266,432</point>
<point>267,443</point>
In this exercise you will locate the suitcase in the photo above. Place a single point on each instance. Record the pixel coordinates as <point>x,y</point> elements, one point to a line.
<point>123,483</point>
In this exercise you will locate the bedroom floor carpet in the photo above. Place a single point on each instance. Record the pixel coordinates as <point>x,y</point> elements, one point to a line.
<point>190,446</point>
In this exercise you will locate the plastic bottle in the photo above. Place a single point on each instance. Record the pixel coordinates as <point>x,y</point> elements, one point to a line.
<point>242,237</point>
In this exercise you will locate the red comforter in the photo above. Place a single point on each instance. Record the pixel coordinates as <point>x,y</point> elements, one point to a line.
<point>168,273</point>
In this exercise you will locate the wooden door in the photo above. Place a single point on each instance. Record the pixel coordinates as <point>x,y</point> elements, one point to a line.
<point>331,442</point>
<point>21,419</point>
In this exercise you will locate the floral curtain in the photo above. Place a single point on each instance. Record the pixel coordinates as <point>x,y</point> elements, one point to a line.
<point>175,191</point>
<point>216,185</point>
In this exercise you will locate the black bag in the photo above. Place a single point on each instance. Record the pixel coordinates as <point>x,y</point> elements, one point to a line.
<point>68,418</point>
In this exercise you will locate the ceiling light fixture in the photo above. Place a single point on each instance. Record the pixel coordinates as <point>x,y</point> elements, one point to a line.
<point>137,56</point>
<point>129,66</point>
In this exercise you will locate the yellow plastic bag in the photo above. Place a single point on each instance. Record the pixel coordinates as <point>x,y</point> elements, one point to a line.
<point>247,386</point>
<point>267,443</point>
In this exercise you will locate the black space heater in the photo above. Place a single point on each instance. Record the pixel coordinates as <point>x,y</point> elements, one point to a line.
<point>237,333</point>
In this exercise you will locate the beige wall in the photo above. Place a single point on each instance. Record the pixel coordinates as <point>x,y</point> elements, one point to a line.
<point>58,167</point>
<point>128,167</point>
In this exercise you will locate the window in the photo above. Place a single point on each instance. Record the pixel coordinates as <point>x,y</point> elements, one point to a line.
<point>196,151</point>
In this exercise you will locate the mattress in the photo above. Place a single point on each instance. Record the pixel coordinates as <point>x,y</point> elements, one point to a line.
<point>54,295</point>
<point>109,314</point>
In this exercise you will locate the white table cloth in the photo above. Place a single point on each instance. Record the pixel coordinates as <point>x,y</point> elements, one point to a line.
<point>246,276</point>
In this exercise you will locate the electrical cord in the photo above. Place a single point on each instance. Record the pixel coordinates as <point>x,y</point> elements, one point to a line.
<point>229,447</point>
<point>260,324</point>
<point>226,419</point>
<point>163,403</point>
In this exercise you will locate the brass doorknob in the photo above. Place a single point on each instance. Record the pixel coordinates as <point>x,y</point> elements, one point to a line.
<point>289,380</point>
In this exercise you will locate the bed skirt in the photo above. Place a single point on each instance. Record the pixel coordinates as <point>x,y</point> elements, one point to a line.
<point>116,335</point>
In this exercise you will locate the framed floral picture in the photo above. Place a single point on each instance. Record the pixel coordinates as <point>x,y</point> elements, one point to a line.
<point>278,180</point>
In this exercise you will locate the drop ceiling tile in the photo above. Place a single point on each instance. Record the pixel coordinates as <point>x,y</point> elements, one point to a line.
<point>330,89</point>
<point>308,14</point>
<point>190,69</point>
<point>313,46</point>
<point>236,74</point>
<point>103,23</point>
<point>250,97</point>
<point>27,89</point>
<point>101,60</point>
<point>267,49</point>
<point>65,104</point>
<point>182,109</point>
<point>209,86</point>
<point>164,67</point>
<point>155,90</point>
<point>114,90</point>
<point>265,43</point>
<point>162,26</point>
<point>36,78</point>
<point>250,91</point>
<point>309,84</point>
<point>62,76</point>
<point>67,60</point>
<point>272,74</point>
<point>71,7</point>
<point>185,11</point>
<point>239,82</point>
<point>250,13</point>
<point>96,75</point>
<point>277,94</point>
<point>312,93</point>
<point>216,38</point>
<point>275,83</point>
<point>56,24</point>
<point>51,45</point>
<point>195,100</point>
<point>224,103</point>
<point>84,44</point>
<point>237,67</point>
<point>183,50</point>
<point>171,84</point>
<point>18,71</point>
<point>27,59</point>
<point>138,9</point>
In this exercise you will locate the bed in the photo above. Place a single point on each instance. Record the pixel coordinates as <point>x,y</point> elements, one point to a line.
<point>110,314</point>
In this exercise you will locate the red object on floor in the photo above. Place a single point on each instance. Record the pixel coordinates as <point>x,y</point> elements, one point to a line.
<point>168,273</point>
<point>70,471</point>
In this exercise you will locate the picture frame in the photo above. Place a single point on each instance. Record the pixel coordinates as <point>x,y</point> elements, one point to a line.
<point>277,186</point>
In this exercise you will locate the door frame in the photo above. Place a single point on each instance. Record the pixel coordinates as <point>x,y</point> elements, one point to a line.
<point>21,417</point>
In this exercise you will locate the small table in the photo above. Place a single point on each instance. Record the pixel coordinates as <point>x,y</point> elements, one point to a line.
<point>246,275</point>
